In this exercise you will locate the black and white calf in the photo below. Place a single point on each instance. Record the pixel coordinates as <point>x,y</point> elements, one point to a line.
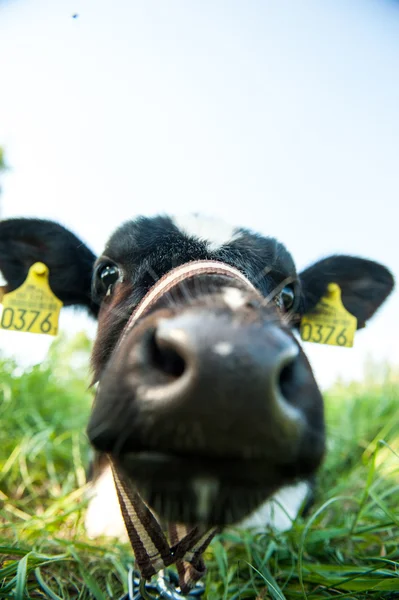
<point>209,403</point>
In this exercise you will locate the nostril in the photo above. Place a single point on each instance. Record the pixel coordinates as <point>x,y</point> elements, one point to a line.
<point>165,358</point>
<point>288,380</point>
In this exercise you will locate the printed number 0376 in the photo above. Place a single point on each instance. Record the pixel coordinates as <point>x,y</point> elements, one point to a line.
<point>24,320</point>
<point>323,334</point>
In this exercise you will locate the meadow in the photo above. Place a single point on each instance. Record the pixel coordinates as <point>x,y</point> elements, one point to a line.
<point>346,547</point>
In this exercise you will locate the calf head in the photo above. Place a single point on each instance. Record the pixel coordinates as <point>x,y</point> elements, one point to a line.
<point>206,400</point>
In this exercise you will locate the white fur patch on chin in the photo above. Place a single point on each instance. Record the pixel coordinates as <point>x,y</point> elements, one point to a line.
<point>103,516</point>
<point>205,490</point>
<point>216,233</point>
<point>279,512</point>
<point>3,281</point>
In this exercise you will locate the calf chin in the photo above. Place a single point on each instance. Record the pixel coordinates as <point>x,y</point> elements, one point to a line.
<point>104,518</point>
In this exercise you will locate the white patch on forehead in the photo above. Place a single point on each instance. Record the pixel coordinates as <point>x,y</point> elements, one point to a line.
<point>234,298</point>
<point>280,511</point>
<point>205,489</point>
<point>223,348</point>
<point>3,281</point>
<point>216,233</point>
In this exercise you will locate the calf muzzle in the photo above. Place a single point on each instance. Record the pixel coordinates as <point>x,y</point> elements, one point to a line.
<point>209,410</point>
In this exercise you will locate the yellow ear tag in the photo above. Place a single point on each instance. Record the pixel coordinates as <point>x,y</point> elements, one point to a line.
<point>329,322</point>
<point>33,306</point>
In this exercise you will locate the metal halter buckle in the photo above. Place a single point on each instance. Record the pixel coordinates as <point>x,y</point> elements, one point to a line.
<point>164,585</point>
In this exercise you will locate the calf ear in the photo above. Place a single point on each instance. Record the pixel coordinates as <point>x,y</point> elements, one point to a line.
<point>364,284</point>
<point>26,241</point>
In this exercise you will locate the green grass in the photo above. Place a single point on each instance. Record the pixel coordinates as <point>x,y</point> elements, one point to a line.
<point>348,547</point>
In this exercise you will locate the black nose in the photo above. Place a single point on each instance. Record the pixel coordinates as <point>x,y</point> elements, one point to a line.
<point>220,371</point>
<point>200,383</point>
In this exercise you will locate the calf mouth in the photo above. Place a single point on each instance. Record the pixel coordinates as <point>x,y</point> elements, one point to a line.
<point>202,490</point>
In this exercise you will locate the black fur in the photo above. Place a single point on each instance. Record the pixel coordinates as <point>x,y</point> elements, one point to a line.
<point>147,248</point>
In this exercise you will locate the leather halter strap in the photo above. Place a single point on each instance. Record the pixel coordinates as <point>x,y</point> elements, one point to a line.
<point>153,552</point>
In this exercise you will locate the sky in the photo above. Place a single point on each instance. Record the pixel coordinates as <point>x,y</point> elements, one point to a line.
<point>281,116</point>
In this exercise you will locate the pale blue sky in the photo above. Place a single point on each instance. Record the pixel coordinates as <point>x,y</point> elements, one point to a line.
<point>278,115</point>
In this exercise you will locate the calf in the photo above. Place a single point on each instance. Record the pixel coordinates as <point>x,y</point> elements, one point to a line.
<point>205,398</point>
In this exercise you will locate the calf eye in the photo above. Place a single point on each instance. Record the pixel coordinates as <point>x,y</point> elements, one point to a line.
<point>106,276</point>
<point>287,297</point>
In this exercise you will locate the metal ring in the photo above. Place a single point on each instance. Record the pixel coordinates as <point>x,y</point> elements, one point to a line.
<point>168,586</point>
<point>138,588</point>
<point>165,585</point>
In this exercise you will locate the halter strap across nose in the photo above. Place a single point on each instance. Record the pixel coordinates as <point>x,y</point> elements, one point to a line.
<point>153,552</point>
<point>176,276</point>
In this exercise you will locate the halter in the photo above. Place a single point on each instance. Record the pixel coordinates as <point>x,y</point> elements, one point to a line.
<point>153,552</point>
